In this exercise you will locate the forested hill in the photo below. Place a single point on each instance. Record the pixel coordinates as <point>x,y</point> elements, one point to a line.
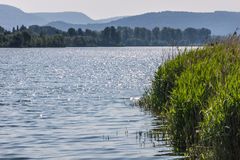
<point>219,22</point>
<point>36,36</point>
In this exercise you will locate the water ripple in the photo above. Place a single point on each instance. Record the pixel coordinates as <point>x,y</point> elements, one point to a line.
<point>77,103</point>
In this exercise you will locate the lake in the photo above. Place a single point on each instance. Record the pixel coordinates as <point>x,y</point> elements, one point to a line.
<point>78,103</point>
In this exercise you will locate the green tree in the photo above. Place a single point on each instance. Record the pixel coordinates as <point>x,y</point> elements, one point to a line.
<point>156,34</point>
<point>16,40</point>
<point>72,32</point>
<point>23,28</point>
<point>26,38</point>
<point>80,32</point>
<point>110,36</point>
<point>125,34</point>
<point>190,35</point>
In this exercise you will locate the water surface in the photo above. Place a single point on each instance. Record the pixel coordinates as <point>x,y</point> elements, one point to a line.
<point>76,103</point>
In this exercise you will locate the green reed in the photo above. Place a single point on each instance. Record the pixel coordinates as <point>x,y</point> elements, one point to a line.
<point>198,92</point>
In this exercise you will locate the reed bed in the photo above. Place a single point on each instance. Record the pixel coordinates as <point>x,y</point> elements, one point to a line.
<point>198,92</point>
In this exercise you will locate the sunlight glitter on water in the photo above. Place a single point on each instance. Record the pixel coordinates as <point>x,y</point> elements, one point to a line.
<point>76,103</point>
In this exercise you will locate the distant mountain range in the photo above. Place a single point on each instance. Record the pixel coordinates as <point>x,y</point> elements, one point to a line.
<point>72,18</point>
<point>219,22</point>
<point>68,17</point>
<point>11,17</point>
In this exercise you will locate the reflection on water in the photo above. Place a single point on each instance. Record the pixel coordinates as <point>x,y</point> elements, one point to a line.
<point>75,103</point>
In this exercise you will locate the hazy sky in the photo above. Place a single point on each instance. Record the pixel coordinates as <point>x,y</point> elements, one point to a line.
<point>108,8</point>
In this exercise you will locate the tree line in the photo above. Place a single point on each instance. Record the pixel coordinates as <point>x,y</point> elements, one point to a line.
<point>46,36</point>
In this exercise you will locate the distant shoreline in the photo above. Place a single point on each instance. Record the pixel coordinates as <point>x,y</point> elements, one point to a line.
<point>37,36</point>
<point>102,47</point>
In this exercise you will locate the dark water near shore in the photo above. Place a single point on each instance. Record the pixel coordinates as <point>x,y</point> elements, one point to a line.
<point>76,103</point>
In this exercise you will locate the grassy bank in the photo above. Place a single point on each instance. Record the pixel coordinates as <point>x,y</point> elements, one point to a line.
<point>199,94</point>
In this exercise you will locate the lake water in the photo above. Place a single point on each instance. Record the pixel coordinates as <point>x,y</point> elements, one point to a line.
<point>77,103</point>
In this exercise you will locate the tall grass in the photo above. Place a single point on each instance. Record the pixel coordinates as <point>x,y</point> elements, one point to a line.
<point>199,94</point>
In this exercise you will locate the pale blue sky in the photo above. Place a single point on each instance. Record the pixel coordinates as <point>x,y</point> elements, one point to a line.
<point>108,8</point>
